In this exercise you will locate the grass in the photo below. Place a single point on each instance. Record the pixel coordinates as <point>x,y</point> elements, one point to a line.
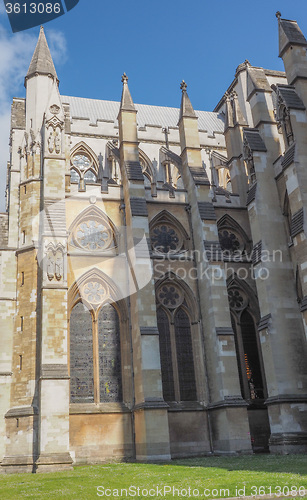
<point>211,473</point>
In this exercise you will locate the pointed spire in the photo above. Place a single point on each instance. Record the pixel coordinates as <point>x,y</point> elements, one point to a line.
<point>126,100</point>
<point>186,108</point>
<point>41,62</point>
<point>289,34</point>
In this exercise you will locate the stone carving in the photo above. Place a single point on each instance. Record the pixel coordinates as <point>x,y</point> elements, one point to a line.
<point>249,161</point>
<point>55,262</point>
<point>54,109</point>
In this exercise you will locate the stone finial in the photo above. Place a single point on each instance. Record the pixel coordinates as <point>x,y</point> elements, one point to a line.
<point>183,86</point>
<point>124,79</point>
<point>278,14</point>
<point>126,100</point>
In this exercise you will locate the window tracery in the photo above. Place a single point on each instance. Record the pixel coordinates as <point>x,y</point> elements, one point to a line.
<point>93,231</point>
<point>176,346</point>
<point>167,235</point>
<point>95,345</point>
<point>247,343</point>
<point>84,166</point>
<point>232,237</point>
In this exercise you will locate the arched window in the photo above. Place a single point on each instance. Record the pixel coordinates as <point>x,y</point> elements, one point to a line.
<point>166,355</point>
<point>233,239</point>
<point>167,234</point>
<point>84,166</point>
<point>81,355</point>
<point>95,355</point>
<point>110,381</point>
<point>247,345</point>
<point>185,361</point>
<point>288,216</point>
<point>176,348</point>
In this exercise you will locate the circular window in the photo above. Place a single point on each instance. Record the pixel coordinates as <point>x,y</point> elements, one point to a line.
<point>92,235</point>
<point>237,300</point>
<point>165,239</point>
<point>170,296</point>
<point>230,241</point>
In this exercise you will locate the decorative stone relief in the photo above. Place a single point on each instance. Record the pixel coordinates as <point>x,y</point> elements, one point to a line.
<point>55,262</point>
<point>54,128</point>
<point>249,161</point>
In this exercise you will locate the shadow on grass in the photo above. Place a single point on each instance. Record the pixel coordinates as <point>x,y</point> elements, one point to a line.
<point>291,464</point>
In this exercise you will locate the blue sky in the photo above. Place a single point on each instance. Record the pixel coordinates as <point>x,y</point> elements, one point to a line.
<point>156,43</point>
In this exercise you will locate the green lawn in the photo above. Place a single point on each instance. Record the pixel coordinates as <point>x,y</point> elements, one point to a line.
<point>210,477</point>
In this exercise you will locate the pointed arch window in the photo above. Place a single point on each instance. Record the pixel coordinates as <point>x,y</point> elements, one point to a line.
<point>233,239</point>
<point>167,234</point>
<point>249,359</point>
<point>176,346</point>
<point>84,166</point>
<point>95,358</point>
<point>95,343</point>
<point>93,232</point>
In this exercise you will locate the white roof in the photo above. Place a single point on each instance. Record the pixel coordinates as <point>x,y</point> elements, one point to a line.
<point>161,116</point>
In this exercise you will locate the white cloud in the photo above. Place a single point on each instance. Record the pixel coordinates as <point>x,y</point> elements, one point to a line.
<point>15,55</point>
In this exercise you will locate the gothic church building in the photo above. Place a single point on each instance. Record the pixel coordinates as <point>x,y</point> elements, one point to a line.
<point>153,286</point>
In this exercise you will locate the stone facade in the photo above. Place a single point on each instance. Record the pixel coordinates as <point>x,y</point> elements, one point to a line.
<point>153,292</point>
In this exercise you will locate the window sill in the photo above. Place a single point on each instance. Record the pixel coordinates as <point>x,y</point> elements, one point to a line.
<point>185,406</point>
<point>86,408</point>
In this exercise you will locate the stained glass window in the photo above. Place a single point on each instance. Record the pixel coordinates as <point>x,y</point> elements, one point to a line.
<point>81,356</point>
<point>165,239</point>
<point>109,355</point>
<point>74,176</point>
<point>90,177</point>
<point>185,360</point>
<point>166,356</point>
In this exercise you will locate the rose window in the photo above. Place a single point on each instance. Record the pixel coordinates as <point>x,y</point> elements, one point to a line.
<point>236,299</point>
<point>94,292</point>
<point>170,296</point>
<point>92,235</point>
<point>164,239</point>
<point>229,241</point>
